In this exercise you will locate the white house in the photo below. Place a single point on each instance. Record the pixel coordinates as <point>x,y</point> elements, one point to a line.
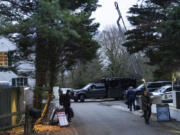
<point>6,46</point>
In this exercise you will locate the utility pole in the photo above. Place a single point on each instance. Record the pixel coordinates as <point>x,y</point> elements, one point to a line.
<point>131,59</point>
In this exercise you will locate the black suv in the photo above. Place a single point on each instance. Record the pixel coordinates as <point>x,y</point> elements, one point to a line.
<point>108,88</point>
<point>151,86</point>
<point>91,90</point>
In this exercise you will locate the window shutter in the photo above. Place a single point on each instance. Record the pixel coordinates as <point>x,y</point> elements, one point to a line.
<point>10,58</point>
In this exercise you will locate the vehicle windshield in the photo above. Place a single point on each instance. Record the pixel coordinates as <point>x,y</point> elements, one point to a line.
<point>162,89</point>
<point>140,86</point>
<point>87,86</point>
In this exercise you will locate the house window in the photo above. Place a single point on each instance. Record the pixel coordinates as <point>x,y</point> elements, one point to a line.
<point>3,59</point>
<point>17,82</point>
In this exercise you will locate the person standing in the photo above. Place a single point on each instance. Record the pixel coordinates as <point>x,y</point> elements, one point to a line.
<point>61,97</point>
<point>66,103</point>
<point>146,106</point>
<point>131,98</point>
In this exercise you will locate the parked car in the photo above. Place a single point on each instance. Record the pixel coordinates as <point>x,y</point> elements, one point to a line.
<point>151,86</point>
<point>166,93</point>
<point>91,90</point>
<point>108,88</point>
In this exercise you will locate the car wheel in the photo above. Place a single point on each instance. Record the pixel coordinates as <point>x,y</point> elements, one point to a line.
<point>82,98</point>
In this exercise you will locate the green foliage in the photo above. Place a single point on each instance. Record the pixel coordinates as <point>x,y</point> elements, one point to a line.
<point>169,50</point>
<point>87,5</point>
<point>83,74</point>
<point>155,34</point>
<point>51,34</point>
<point>50,30</point>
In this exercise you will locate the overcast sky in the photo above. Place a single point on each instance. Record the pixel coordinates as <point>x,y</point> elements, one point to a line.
<point>107,14</point>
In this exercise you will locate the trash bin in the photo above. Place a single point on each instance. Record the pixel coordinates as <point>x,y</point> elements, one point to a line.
<point>176,99</point>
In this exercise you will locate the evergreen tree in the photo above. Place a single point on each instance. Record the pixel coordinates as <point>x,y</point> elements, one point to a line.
<point>12,12</point>
<point>53,32</point>
<point>84,73</point>
<point>168,55</point>
<point>149,35</point>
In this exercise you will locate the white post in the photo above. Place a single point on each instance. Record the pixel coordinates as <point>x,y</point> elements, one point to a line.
<point>172,86</point>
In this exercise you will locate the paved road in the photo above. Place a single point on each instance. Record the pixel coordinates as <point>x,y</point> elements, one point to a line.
<point>95,118</point>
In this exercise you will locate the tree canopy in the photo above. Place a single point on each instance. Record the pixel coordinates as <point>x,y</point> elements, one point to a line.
<point>155,29</point>
<point>52,29</point>
<point>52,34</point>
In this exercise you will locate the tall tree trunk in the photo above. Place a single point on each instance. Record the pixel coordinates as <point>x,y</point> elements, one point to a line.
<point>41,70</point>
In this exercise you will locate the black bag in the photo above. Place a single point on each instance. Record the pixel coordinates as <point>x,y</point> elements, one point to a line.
<point>35,113</point>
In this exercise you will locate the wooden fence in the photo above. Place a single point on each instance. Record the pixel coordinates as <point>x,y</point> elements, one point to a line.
<point>19,123</point>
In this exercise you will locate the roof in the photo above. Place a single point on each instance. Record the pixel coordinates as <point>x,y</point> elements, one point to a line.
<point>4,83</point>
<point>7,76</point>
<point>6,45</point>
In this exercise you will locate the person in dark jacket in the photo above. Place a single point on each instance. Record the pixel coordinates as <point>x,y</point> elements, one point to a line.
<point>131,98</point>
<point>65,101</point>
<point>61,97</point>
<point>146,106</point>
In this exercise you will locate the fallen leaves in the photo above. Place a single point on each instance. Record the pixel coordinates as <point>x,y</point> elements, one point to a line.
<point>39,130</point>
